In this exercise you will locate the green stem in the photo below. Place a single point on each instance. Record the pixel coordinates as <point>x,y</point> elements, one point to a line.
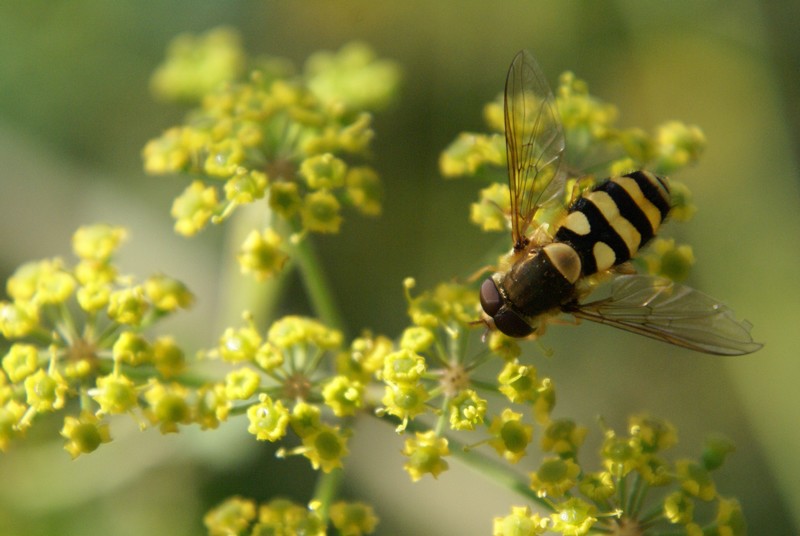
<point>316,284</point>
<point>242,292</point>
<point>326,490</point>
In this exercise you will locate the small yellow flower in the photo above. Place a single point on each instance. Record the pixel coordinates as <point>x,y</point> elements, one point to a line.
<point>305,419</point>
<point>262,255</point>
<point>353,77</point>
<point>353,519</point>
<point>323,172</point>
<point>654,435</point>
<point>597,486</point>
<point>695,480</point>
<point>679,508</point>
<point>11,413</point>
<point>284,198</point>
<point>470,153</point>
<point>730,518</point>
<point>241,384</point>
<point>167,405</point>
<point>133,349</point>
<point>364,190</point>
<point>490,213</point>
<point>297,330</point>
<point>573,517</point>
<point>510,436</point>
<point>403,367</point>
<point>245,186</point>
<point>194,207</point>
<point>325,448</point>
<point>84,434</point>
<point>212,406</point>
<point>555,477</point>
<point>46,391</point>
<point>98,242</point>
<point>518,382</point>
<point>127,306</point>
<point>520,522</point>
<point>268,419</point>
<point>343,395</point>
<point>232,516</point>
<point>237,345</point>
<point>168,357</point>
<point>563,437</point>
<point>114,393</point>
<point>167,294</point>
<point>405,401</point>
<point>21,361</point>
<point>467,410</point>
<point>321,212</point>
<point>416,339</point>
<point>426,453</point>
<point>196,64</point>
<point>620,455</point>
<point>18,319</point>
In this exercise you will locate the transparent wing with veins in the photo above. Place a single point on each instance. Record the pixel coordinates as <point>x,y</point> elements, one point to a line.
<point>534,144</point>
<point>673,313</point>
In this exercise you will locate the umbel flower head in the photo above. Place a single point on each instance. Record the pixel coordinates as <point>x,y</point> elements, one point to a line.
<point>79,332</point>
<point>287,141</point>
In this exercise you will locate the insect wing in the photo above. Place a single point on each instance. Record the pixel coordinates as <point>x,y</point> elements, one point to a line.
<point>534,143</point>
<point>677,314</point>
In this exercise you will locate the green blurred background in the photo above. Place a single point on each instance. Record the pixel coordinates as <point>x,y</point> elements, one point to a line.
<point>75,112</point>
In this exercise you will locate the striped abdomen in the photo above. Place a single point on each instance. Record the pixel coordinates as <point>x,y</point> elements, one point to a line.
<point>608,226</point>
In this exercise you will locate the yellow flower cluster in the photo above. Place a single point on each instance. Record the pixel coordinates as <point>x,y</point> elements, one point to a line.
<point>237,515</point>
<point>78,332</point>
<point>284,140</point>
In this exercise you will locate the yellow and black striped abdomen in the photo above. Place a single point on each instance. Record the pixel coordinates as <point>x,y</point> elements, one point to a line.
<point>608,226</point>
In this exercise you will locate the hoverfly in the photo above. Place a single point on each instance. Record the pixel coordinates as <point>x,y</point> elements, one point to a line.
<point>602,230</point>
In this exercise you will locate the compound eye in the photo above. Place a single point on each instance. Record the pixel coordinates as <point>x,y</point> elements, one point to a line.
<point>510,323</point>
<point>490,297</point>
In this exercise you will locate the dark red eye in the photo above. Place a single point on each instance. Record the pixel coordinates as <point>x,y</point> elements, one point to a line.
<point>490,298</point>
<point>511,323</point>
